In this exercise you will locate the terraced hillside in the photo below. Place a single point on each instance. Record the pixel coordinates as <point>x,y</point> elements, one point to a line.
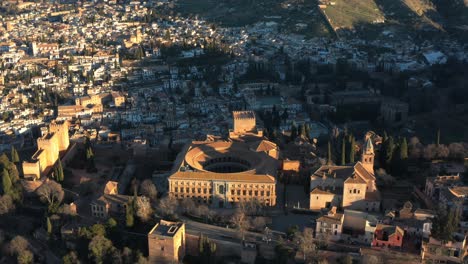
<point>304,16</point>
<point>297,16</point>
<point>347,14</point>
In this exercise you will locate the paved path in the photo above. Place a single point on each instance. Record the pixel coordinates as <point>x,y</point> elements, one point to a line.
<point>217,232</point>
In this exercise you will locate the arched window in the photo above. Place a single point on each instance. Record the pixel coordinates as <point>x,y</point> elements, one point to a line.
<point>221,189</point>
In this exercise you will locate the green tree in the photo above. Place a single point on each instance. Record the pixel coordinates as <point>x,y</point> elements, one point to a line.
<point>130,214</point>
<point>89,153</point>
<point>14,155</point>
<point>207,250</point>
<point>452,221</point>
<point>71,258</point>
<point>285,115</point>
<point>343,152</point>
<point>98,230</point>
<point>293,131</point>
<point>307,131</point>
<point>60,175</point>
<point>329,154</point>
<point>445,224</point>
<point>6,182</point>
<point>303,131</point>
<point>438,137</point>
<point>352,150</point>
<point>99,247</point>
<point>111,223</point>
<point>403,149</point>
<point>25,257</point>
<point>389,149</point>
<point>49,226</point>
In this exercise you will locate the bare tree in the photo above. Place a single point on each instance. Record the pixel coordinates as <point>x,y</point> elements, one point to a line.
<point>372,259</point>
<point>17,245</point>
<point>67,210</point>
<point>204,211</point>
<point>6,204</point>
<point>143,208</point>
<point>433,151</point>
<point>240,220</point>
<point>148,189</point>
<point>50,192</point>
<point>167,206</point>
<point>442,151</point>
<point>259,223</point>
<point>457,151</point>
<point>305,243</point>
<point>415,148</point>
<point>188,206</point>
<point>384,177</point>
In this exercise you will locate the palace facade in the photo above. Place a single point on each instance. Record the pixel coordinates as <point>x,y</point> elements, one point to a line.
<point>222,173</point>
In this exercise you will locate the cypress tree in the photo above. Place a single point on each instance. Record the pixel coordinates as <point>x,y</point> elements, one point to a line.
<point>438,137</point>
<point>303,132</point>
<point>6,182</point>
<point>49,226</point>
<point>293,131</point>
<point>343,152</point>
<point>60,175</point>
<point>14,155</point>
<point>389,148</point>
<point>129,218</point>
<point>403,149</point>
<point>352,150</point>
<point>329,154</point>
<point>307,130</point>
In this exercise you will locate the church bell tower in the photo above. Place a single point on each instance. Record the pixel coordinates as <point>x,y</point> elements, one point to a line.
<point>368,155</point>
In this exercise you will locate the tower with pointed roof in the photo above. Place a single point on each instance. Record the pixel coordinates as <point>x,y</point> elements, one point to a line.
<point>368,155</point>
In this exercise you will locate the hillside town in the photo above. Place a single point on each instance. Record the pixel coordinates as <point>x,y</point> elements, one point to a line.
<point>133,133</point>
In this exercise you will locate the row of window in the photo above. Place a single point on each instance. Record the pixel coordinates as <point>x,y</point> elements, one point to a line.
<point>231,186</point>
<point>95,214</point>
<point>326,231</point>
<point>208,191</point>
<point>192,190</point>
<point>191,183</point>
<point>250,192</point>
<point>324,224</point>
<point>354,191</point>
<point>98,208</point>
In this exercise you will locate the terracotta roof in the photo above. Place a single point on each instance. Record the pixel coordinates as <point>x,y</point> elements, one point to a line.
<point>361,171</point>
<point>335,219</point>
<point>390,229</point>
<point>320,191</point>
<point>113,198</point>
<point>263,145</point>
<point>459,190</point>
<point>342,172</point>
<point>355,179</point>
